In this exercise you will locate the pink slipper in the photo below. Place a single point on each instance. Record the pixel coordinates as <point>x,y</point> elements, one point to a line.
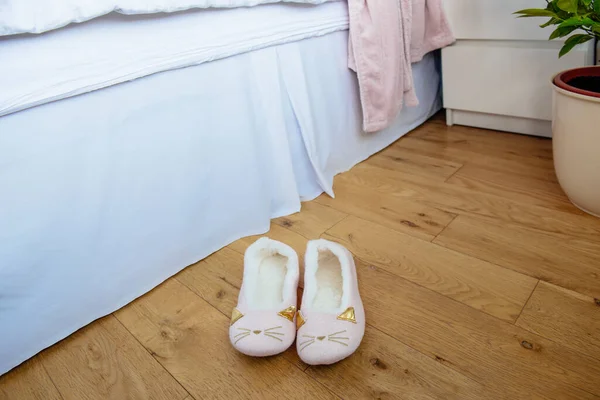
<point>331,323</point>
<point>263,323</point>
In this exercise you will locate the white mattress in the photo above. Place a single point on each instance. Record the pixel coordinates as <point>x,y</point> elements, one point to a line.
<point>36,69</point>
<point>107,194</point>
<point>37,16</point>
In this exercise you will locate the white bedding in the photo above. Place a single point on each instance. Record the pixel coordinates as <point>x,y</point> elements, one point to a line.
<point>107,194</point>
<point>37,16</point>
<point>106,51</point>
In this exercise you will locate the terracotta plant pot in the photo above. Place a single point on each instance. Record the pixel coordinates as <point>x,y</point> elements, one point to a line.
<point>576,138</point>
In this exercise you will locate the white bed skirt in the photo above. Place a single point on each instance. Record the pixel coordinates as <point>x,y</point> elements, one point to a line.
<point>107,194</point>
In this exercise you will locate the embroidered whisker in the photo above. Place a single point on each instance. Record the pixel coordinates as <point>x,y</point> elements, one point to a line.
<point>332,340</point>
<point>273,337</point>
<point>245,336</point>
<point>307,345</point>
<point>270,329</point>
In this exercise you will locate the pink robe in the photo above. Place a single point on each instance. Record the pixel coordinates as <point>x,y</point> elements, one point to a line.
<point>386,36</point>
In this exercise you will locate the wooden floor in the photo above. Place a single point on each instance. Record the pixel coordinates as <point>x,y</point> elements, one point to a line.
<point>480,281</point>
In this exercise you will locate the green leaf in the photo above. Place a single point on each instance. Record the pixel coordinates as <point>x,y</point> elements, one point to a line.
<point>568,5</point>
<point>560,13</point>
<point>552,21</point>
<point>535,12</point>
<point>572,42</point>
<point>562,32</point>
<point>577,21</point>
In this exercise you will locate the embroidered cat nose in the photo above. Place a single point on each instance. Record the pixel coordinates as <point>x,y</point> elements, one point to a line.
<point>320,337</point>
<point>256,332</point>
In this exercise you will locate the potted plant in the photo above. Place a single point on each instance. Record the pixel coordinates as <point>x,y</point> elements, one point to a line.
<point>576,102</point>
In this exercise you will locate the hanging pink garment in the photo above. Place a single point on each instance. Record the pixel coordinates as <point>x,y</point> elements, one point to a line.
<point>386,36</point>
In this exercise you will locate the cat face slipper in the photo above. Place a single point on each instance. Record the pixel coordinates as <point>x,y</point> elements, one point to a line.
<point>263,323</point>
<point>331,324</point>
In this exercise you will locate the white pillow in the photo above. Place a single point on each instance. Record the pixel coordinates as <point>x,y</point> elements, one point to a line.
<point>37,16</point>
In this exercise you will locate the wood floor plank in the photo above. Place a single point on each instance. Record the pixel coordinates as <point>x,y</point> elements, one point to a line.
<point>518,188</point>
<point>515,159</point>
<point>495,162</point>
<point>189,338</point>
<point>383,368</point>
<point>515,165</point>
<point>564,316</point>
<point>217,279</point>
<point>402,160</point>
<point>508,360</point>
<point>571,263</point>
<point>516,195</point>
<point>462,200</point>
<point>397,213</point>
<point>104,361</point>
<point>462,152</point>
<point>471,143</point>
<point>312,220</point>
<point>28,381</point>
<point>492,289</point>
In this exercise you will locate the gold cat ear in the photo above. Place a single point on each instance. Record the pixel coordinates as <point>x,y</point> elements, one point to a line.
<point>288,313</point>
<point>300,320</point>
<point>235,316</point>
<point>348,315</point>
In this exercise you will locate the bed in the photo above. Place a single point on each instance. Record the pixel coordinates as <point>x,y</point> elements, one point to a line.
<point>122,162</point>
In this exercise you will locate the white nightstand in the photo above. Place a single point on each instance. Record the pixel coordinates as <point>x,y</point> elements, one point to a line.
<point>497,75</point>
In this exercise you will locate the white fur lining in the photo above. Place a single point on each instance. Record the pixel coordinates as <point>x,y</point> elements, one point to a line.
<point>312,299</point>
<point>270,274</point>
